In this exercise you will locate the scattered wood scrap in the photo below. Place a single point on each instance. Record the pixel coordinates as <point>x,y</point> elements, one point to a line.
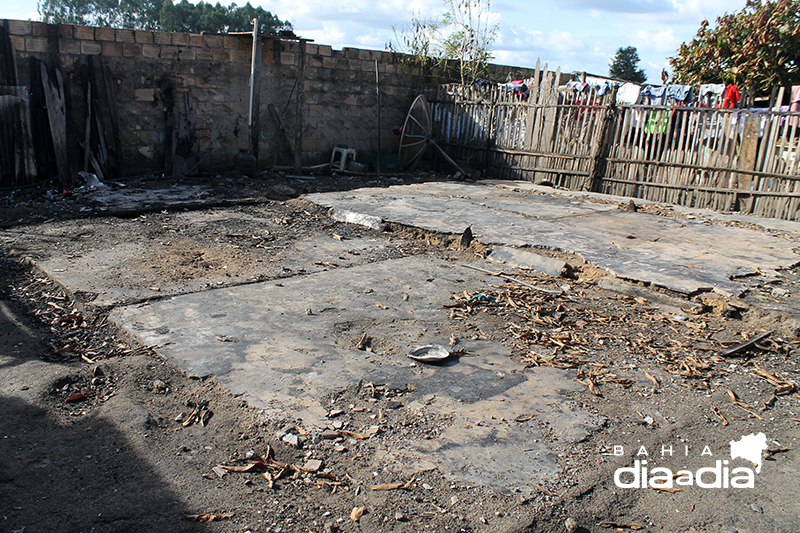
<point>357,513</point>
<point>514,280</point>
<point>745,345</point>
<point>200,414</point>
<point>620,526</point>
<point>394,486</point>
<point>265,464</point>
<point>742,405</point>
<point>782,386</point>
<point>207,517</point>
<point>652,378</point>
<point>365,343</point>
<point>772,451</point>
<point>722,418</point>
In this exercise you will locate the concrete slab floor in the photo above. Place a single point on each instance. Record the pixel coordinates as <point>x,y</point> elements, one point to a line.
<point>681,255</point>
<point>113,275</point>
<point>261,342</point>
<point>286,346</point>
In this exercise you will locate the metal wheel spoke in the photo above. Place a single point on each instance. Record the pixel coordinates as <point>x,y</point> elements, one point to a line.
<point>416,132</point>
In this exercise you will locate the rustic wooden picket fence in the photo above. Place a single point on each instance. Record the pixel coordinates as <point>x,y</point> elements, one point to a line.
<point>724,159</point>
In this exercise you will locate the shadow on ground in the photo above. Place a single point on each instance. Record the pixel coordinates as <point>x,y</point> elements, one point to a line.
<point>77,477</point>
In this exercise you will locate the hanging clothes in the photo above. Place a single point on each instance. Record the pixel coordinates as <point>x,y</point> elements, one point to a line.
<point>732,97</point>
<point>657,122</point>
<point>601,88</point>
<point>629,94</point>
<point>517,88</point>
<point>679,93</point>
<point>710,93</point>
<point>654,95</point>
<point>577,86</point>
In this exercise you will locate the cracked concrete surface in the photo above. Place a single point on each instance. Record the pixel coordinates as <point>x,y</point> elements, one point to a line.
<point>685,256</point>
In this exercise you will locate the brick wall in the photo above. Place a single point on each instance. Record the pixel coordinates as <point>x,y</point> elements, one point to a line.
<point>149,69</point>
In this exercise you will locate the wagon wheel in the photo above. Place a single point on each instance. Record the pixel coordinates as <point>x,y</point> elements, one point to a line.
<point>416,133</point>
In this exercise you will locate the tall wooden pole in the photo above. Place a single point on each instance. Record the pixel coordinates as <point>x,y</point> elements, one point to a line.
<point>255,91</point>
<point>298,116</point>
<point>378,92</point>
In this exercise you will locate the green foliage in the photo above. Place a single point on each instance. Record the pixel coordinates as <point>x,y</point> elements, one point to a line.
<point>194,18</point>
<point>624,66</point>
<point>416,42</point>
<point>463,35</point>
<point>757,47</point>
<point>65,11</point>
<point>160,15</point>
<point>470,42</point>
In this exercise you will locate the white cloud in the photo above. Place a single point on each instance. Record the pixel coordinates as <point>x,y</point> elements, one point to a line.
<point>330,35</point>
<point>620,6</point>
<point>564,43</point>
<point>663,41</point>
<point>522,47</point>
<point>601,50</point>
<point>373,40</point>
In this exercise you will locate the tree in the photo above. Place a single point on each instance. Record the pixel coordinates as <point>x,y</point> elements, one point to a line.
<point>160,15</point>
<point>416,41</point>
<point>463,34</point>
<point>472,37</point>
<point>624,66</point>
<point>194,18</point>
<point>65,11</point>
<point>758,47</point>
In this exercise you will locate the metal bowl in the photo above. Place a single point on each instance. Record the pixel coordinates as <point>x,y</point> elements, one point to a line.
<point>430,353</point>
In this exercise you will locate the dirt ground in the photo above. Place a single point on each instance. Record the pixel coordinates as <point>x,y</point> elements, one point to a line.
<point>99,433</point>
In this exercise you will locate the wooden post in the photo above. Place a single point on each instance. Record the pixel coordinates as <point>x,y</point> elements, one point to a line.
<point>601,140</point>
<point>490,138</point>
<point>56,114</point>
<point>88,137</point>
<point>255,91</point>
<point>298,117</point>
<point>111,105</point>
<point>747,161</point>
<point>378,92</point>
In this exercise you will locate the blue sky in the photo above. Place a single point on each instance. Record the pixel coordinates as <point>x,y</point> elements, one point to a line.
<point>577,35</point>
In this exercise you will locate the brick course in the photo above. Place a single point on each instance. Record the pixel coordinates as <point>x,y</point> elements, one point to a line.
<point>35,44</point>
<point>112,49</point>
<point>125,36</point>
<point>143,36</point>
<point>91,48</point>
<point>83,32</point>
<point>19,27</point>
<point>105,34</point>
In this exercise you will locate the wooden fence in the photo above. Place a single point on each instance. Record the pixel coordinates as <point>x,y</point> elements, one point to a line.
<point>724,159</point>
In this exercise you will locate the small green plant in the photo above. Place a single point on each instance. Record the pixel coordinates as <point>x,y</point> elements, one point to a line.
<point>462,36</point>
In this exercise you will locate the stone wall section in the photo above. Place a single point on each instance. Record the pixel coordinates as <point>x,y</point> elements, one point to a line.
<point>338,97</point>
